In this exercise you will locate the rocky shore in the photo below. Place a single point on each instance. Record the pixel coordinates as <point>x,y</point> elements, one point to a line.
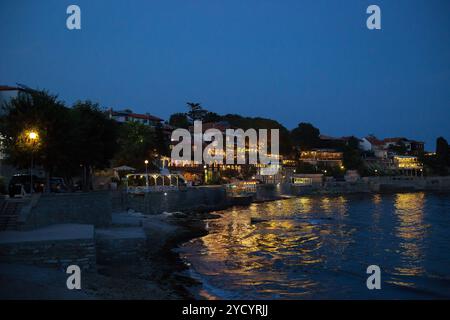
<point>159,275</point>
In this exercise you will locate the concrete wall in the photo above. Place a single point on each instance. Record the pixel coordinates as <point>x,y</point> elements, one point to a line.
<point>272,191</point>
<point>170,201</point>
<point>86,208</point>
<point>399,183</point>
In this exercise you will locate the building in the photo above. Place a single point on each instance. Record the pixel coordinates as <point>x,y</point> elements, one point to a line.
<point>305,179</point>
<point>411,147</point>
<point>322,157</point>
<point>407,165</point>
<point>388,147</point>
<point>373,144</point>
<point>128,115</point>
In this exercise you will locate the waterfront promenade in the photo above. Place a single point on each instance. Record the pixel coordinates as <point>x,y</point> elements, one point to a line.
<point>136,234</point>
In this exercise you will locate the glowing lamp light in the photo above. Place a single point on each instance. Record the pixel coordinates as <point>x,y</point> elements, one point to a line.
<point>33,135</point>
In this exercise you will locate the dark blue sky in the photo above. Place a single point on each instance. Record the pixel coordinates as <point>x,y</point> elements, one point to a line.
<point>293,61</point>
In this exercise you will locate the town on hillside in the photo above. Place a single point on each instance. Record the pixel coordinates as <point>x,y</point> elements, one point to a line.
<point>122,149</point>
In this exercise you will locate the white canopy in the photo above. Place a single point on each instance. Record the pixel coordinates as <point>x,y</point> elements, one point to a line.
<point>124,168</point>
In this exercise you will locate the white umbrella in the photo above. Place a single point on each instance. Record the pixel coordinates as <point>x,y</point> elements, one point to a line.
<point>124,168</point>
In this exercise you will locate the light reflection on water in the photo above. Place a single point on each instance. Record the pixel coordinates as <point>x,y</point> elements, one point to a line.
<point>320,247</point>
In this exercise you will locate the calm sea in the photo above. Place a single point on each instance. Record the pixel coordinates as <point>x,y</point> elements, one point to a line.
<point>319,247</point>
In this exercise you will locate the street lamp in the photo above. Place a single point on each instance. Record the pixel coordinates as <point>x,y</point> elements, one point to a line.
<point>33,136</point>
<point>146,173</point>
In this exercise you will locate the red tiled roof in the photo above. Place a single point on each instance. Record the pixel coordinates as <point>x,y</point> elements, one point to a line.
<point>397,139</point>
<point>324,137</point>
<point>136,115</point>
<point>374,141</point>
<point>9,88</point>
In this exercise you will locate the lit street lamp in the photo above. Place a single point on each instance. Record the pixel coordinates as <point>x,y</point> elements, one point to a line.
<point>146,173</point>
<point>33,136</point>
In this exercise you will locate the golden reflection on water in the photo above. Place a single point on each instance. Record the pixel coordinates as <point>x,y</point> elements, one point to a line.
<point>298,247</point>
<point>287,234</point>
<point>376,199</point>
<point>411,230</point>
<point>305,204</point>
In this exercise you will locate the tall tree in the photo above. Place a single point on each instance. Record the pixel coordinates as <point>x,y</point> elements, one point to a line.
<point>442,151</point>
<point>135,145</point>
<point>95,138</point>
<point>160,141</point>
<point>196,112</point>
<point>352,154</point>
<point>306,136</point>
<point>179,120</point>
<point>46,116</point>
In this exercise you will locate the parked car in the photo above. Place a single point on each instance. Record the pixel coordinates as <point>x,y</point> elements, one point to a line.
<point>58,185</point>
<point>20,184</point>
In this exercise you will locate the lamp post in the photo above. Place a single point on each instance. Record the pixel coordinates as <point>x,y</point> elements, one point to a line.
<point>146,173</point>
<point>33,136</point>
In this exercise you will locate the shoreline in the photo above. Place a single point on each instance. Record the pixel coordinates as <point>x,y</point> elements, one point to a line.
<point>161,275</point>
<point>197,218</point>
<point>162,266</point>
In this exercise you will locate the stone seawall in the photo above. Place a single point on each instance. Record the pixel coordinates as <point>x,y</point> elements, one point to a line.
<point>215,197</point>
<point>271,191</point>
<point>393,184</point>
<point>190,199</point>
<point>84,207</point>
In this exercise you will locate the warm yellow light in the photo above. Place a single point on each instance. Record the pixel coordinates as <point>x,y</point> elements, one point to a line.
<point>33,135</point>
<point>146,161</point>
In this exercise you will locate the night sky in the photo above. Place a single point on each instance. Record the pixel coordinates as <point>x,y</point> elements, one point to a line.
<point>293,61</point>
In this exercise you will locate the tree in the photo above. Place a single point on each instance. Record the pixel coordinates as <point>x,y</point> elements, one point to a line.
<point>160,141</point>
<point>306,136</point>
<point>179,120</point>
<point>44,114</point>
<point>66,138</point>
<point>352,154</point>
<point>442,151</point>
<point>245,123</point>
<point>196,112</point>
<point>94,138</point>
<point>212,117</point>
<point>135,145</point>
